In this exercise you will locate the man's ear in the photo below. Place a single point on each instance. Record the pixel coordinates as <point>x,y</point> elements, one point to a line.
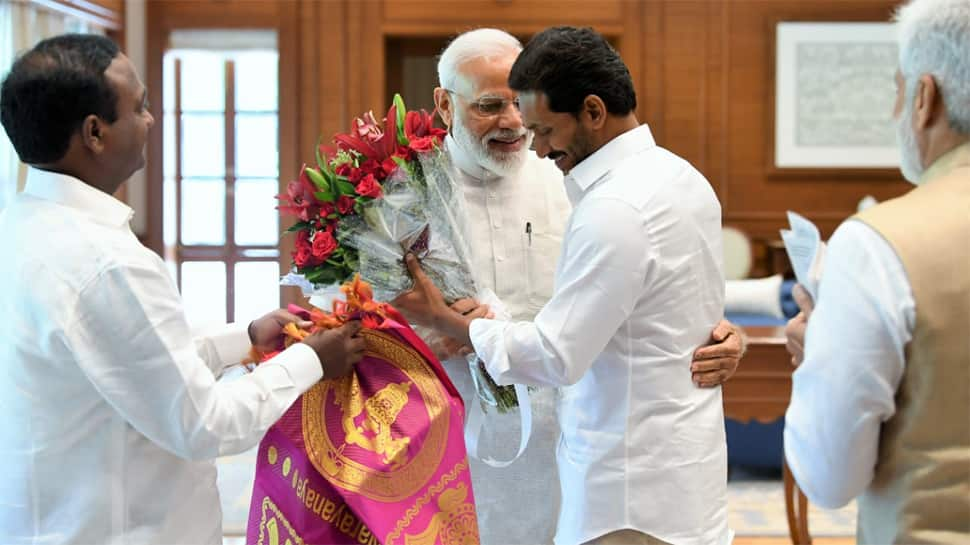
<point>594,112</point>
<point>444,105</point>
<point>928,104</point>
<point>93,133</point>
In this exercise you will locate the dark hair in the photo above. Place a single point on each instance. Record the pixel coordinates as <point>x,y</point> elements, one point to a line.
<point>51,89</point>
<point>568,64</point>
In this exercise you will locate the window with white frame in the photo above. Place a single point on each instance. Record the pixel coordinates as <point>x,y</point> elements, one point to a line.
<point>221,172</point>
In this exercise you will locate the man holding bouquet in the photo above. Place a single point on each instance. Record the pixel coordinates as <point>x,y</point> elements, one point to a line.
<point>519,209</point>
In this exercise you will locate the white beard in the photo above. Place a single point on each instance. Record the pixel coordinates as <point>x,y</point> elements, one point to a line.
<point>501,164</point>
<point>910,162</point>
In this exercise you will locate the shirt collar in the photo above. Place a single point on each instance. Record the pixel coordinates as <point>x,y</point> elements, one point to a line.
<point>73,193</point>
<point>465,161</point>
<point>594,167</point>
<point>955,158</point>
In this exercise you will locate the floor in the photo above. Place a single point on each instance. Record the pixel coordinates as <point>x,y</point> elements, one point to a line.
<point>748,540</point>
<point>755,501</point>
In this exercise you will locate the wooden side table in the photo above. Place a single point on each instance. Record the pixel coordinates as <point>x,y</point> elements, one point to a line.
<point>761,390</point>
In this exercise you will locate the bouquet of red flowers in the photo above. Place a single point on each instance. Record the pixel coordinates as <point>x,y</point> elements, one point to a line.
<point>381,190</point>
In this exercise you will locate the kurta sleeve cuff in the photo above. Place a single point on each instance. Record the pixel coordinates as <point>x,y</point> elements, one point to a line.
<point>488,340</point>
<point>231,343</point>
<point>301,364</point>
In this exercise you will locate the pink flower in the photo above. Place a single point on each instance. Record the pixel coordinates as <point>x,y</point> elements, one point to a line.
<point>368,187</point>
<point>323,245</point>
<point>368,128</point>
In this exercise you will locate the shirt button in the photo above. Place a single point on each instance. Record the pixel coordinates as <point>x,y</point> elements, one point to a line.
<point>500,259</point>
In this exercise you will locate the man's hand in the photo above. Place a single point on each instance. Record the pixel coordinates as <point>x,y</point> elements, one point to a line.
<point>717,361</point>
<point>338,349</point>
<point>425,304</point>
<point>795,330</point>
<point>265,333</point>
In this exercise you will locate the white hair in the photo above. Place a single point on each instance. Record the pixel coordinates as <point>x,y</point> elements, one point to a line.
<point>934,39</point>
<point>489,43</point>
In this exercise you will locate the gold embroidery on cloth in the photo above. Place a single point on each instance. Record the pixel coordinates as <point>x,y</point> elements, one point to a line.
<point>269,531</point>
<point>382,410</point>
<point>453,524</point>
<point>425,499</point>
<point>404,477</point>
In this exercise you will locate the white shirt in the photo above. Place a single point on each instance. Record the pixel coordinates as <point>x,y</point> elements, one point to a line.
<point>854,359</point>
<point>111,411</point>
<point>638,288</point>
<point>520,269</point>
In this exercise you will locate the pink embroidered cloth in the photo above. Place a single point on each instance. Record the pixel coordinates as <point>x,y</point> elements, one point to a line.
<point>377,457</point>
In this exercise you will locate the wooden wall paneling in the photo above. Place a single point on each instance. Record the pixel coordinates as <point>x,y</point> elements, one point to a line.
<point>631,46</point>
<point>154,51</point>
<point>685,78</point>
<point>504,12</point>
<point>291,121</point>
<point>651,85</point>
<point>758,199</point>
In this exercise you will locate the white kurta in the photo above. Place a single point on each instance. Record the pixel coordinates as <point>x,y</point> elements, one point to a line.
<point>112,415</point>
<point>638,288</point>
<point>518,504</point>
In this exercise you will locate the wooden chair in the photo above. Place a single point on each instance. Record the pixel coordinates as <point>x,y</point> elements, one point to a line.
<point>796,505</point>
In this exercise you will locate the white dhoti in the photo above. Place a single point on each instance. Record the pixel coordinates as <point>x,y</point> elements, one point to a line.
<point>518,504</point>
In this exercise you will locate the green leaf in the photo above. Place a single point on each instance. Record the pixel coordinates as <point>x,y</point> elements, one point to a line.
<point>299,226</point>
<point>401,113</point>
<point>345,188</point>
<point>321,161</point>
<point>325,196</point>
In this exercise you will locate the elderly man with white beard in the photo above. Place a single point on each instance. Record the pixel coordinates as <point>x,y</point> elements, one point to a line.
<point>517,207</point>
<point>879,404</point>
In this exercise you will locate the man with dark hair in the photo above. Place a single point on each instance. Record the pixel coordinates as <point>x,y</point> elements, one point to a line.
<point>113,415</point>
<point>639,286</point>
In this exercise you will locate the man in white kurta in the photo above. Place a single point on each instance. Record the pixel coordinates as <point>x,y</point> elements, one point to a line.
<point>112,416</point>
<point>518,209</point>
<point>637,289</point>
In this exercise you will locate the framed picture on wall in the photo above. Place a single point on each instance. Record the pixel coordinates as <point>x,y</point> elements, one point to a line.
<point>834,95</point>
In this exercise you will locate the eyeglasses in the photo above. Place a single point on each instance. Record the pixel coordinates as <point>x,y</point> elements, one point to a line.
<point>489,106</point>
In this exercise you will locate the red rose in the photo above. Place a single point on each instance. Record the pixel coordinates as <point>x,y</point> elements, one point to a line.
<point>326,209</point>
<point>303,257</point>
<point>345,204</point>
<point>344,170</point>
<point>303,252</point>
<point>368,187</point>
<point>388,166</point>
<point>422,144</point>
<point>323,245</point>
<point>371,167</point>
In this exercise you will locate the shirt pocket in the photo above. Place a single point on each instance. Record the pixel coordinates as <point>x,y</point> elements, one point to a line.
<point>540,249</point>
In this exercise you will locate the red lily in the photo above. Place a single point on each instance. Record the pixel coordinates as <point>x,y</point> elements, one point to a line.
<point>299,199</point>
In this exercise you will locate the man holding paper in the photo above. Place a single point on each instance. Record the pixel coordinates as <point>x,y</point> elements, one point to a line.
<point>879,401</point>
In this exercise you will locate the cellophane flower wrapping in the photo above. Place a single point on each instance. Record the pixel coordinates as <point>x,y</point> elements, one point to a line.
<point>421,211</point>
